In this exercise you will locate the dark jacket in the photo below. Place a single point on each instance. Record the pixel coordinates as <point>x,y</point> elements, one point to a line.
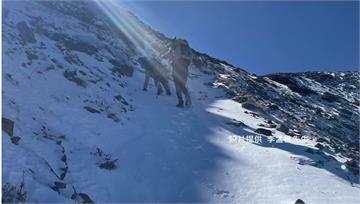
<point>152,67</point>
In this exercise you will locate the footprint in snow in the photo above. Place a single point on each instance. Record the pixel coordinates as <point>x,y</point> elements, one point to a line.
<point>222,193</point>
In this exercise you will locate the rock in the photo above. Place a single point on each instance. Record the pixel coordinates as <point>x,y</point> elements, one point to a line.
<point>240,99</point>
<point>273,107</point>
<point>299,201</point>
<point>321,140</point>
<point>356,102</point>
<point>63,174</point>
<point>236,123</point>
<point>63,158</point>
<point>330,97</point>
<point>31,55</point>
<point>71,75</point>
<point>113,117</point>
<point>109,165</point>
<point>255,115</point>
<point>121,99</point>
<point>318,111</point>
<point>283,129</point>
<point>15,140</point>
<point>85,198</point>
<point>272,126</point>
<point>8,126</point>
<point>121,69</point>
<point>73,59</point>
<point>124,70</point>
<point>10,78</point>
<point>271,123</point>
<point>91,110</point>
<point>59,185</point>
<point>263,131</point>
<point>231,93</point>
<point>78,45</point>
<point>250,106</point>
<point>291,83</point>
<point>268,126</point>
<point>320,146</point>
<point>353,166</point>
<point>27,36</point>
<point>345,112</point>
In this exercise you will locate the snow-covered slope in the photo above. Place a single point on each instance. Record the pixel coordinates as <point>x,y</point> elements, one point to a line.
<point>78,127</point>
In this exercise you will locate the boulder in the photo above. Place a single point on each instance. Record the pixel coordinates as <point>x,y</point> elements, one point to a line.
<point>91,110</point>
<point>273,107</point>
<point>8,126</point>
<point>121,69</point>
<point>283,129</point>
<point>121,99</point>
<point>252,107</point>
<point>240,99</point>
<point>15,140</point>
<point>236,123</point>
<point>263,131</point>
<point>299,201</point>
<point>109,165</point>
<point>60,184</point>
<point>320,146</point>
<point>78,45</point>
<point>72,76</point>
<point>85,198</point>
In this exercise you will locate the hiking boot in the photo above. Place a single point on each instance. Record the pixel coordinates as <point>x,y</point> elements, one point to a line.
<point>159,92</point>
<point>180,105</point>
<point>188,102</point>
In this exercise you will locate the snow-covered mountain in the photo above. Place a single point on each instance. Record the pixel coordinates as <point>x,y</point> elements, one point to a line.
<point>77,126</point>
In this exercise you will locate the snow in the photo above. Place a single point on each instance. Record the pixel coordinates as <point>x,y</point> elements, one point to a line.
<point>165,155</point>
<point>162,153</point>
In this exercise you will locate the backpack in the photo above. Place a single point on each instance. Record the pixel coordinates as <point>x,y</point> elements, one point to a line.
<point>182,50</point>
<point>146,64</point>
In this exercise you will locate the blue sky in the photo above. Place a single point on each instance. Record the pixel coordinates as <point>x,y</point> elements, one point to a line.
<point>262,37</point>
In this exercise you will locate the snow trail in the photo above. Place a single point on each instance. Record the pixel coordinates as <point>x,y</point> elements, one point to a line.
<point>161,153</point>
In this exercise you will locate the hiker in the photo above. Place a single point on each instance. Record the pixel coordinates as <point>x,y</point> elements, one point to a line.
<point>181,59</point>
<point>154,69</point>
